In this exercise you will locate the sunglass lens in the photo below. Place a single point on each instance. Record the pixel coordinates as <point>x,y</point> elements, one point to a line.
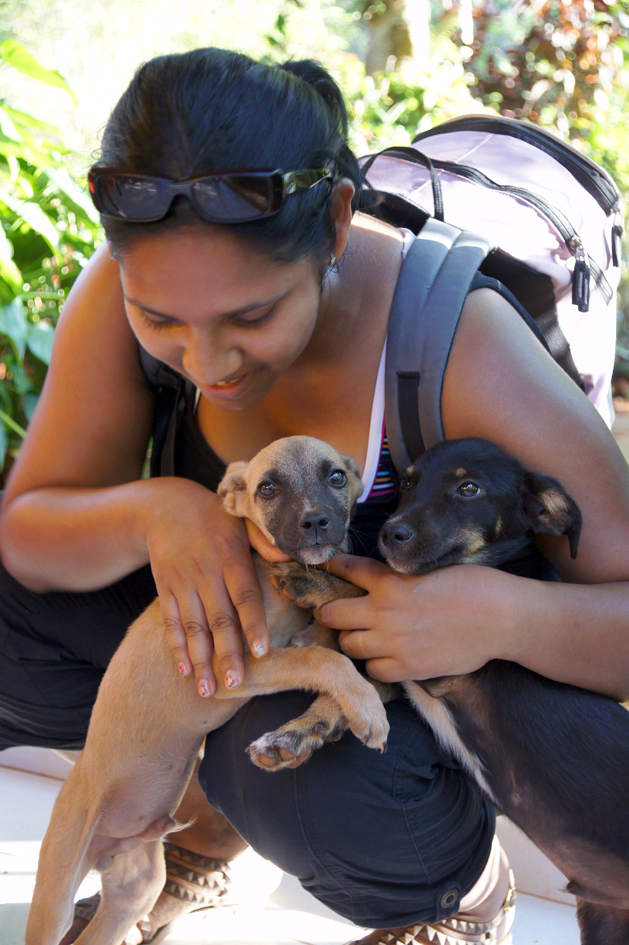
<point>234,197</point>
<point>138,198</point>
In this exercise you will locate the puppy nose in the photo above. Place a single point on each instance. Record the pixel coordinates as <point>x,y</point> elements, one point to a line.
<point>314,518</point>
<point>396,534</point>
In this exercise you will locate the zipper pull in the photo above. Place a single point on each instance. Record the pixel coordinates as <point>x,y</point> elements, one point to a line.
<point>617,231</point>
<point>580,275</point>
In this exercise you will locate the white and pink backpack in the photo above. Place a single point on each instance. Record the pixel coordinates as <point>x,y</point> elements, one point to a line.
<point>501,203</point>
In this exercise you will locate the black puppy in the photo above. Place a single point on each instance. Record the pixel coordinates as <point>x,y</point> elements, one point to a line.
<point>555,758</point>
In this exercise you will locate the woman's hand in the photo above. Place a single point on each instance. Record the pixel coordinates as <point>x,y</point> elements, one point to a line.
<point>206,581</point>
<point>445,623</point>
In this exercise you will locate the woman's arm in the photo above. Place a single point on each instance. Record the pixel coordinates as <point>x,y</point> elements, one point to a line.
<point>89,434</point>
<point>502,385</point>
<point>75,514</point>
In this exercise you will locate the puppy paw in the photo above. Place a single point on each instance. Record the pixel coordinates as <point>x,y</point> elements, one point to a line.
<point>310,587</point>
<point>365,714</point>
<point>292,744</point>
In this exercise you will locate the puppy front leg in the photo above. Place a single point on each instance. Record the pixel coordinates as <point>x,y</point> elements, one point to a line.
<point>311,587</point>
<point>323,721</point>
<point>294,742</point>
<point>317,669</point>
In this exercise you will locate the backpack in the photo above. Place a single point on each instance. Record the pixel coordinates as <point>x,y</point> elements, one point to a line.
<point>497,203</point>
<point>500,203</point>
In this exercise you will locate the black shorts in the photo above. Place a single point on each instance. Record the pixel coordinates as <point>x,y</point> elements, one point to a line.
<point>384,840</point>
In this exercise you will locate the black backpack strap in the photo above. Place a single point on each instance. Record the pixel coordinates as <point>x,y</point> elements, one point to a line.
<point>173,392</point>
<point>434,281</point>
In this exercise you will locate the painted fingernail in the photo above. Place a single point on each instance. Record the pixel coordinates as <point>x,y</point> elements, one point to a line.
<point>204,688</point>
<point>183,669</point>
<point>258,649</point>
<point>230,681</point>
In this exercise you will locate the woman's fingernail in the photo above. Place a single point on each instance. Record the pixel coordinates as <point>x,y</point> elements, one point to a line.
<point>258,649</point>
<point>204,688</point>
<point>183,669</point>
<point>230,681</point>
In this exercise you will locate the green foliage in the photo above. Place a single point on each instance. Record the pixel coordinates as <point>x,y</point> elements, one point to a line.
<point>392,107</point>
<point>562,65</point>
<point>48,230</point>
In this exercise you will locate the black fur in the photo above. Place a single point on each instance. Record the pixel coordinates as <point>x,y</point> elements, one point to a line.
<point>556,757</point>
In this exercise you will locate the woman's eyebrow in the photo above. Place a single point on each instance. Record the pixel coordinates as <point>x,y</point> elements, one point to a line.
<point>233,314</point>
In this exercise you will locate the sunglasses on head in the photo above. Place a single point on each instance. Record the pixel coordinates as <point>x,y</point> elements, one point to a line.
<point>223,197</point>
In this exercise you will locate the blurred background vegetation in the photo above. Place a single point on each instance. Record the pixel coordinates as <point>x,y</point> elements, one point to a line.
<point>405,65</point>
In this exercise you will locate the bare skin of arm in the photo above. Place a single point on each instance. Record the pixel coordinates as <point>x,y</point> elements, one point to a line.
<point>501,385</point>
<point>76,515</point>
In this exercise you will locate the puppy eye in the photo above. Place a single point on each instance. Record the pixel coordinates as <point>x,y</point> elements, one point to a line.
<point>405,484</point>
<point>267,488</point>
<point>337,478</point>
<point>469,489</point>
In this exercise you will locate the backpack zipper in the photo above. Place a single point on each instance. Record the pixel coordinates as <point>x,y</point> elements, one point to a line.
<point>598,183</point>
<point>559,221</point>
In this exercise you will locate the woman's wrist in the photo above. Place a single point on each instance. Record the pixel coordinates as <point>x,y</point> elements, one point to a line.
<point>76,538</point>
<point>520,603</point>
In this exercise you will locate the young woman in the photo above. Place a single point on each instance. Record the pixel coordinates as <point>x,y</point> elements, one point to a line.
<point>272,298</point>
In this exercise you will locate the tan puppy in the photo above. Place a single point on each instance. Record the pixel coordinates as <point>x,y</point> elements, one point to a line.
<point>148,723</point>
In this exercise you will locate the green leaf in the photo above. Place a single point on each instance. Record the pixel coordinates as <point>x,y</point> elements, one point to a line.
<point>11,424</point>
<point>20,58</point>
<point>21,381</point>
<point>40,339</point>
<point>7,126</point>
<point>14,325</point>
<point>30,402</point>
<point>32,214</point>
<point>8,270</point>
<point>78,199</point>
<point>29,121</point>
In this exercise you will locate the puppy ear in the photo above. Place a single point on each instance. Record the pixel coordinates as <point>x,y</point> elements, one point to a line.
<point>356,486</point>
<point>233,489</point>
<point>550,510</point>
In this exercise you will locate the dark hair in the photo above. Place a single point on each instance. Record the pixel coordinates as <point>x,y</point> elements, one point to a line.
<point>187,114</point>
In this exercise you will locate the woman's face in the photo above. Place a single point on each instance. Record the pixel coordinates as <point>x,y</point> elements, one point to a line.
<point>228,318</point>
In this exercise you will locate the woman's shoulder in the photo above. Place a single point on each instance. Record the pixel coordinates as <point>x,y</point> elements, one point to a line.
<point>93,419</point>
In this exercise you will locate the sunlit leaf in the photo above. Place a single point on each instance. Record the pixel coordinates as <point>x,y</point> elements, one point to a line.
<point>14,148</point>
<point>28,121</point>
<point>20,58</point>
<point>40,339</point>
<point>32,214</point>
<point>7,126</point>
<point>8,269</point>
<point>28,151</point>
<point>14,325</point>
<point>78,198</point>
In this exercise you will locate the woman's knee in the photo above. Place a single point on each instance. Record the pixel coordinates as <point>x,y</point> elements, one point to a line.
<point>382,839</point>
<point>54,649</point>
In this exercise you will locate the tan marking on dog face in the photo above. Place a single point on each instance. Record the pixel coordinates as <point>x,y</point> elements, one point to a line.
<point>460,473</point>
<point>474,540</point>
<point>498,526</point>
<point>554,502</point>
